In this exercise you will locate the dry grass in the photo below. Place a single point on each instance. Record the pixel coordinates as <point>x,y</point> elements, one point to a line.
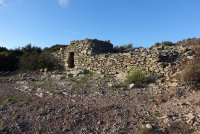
<point>191,73</point>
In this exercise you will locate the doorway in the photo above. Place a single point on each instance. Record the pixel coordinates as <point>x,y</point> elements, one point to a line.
<point>70,60</point>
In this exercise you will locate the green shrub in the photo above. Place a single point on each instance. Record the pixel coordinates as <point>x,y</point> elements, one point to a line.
<point>136,76</point>
<point>29,48</point>
<point>123,48</point>
<point>33,59</point>
<point>55,48</point>
<point>17,52</point>
<point>48,61</point>
<point>8,61</point>
<point>29,61</point>
<point>164,44</point>
<point>2,49</point>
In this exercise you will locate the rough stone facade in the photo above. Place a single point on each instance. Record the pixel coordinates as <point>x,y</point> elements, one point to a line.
<point>99,56</point>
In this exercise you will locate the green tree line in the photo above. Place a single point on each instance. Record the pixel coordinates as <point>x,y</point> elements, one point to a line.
<point>29,58</point>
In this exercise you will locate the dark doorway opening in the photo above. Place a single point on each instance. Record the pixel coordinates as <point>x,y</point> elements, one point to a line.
<point>70,60</point>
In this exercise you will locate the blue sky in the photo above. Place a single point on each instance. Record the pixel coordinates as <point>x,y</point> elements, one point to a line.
<point>142,22</point>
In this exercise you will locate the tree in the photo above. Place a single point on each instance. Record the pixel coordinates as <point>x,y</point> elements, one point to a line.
<point>29,61</point>
<point>3,49</point>
<point>9,62</point>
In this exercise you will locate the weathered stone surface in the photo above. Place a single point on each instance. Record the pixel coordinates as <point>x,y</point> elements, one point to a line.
<point>99,56</point>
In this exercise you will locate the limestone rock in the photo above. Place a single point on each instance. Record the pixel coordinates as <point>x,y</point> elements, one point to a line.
<point>149,126</point>
<point>131,86</point>
<point>190,117</point>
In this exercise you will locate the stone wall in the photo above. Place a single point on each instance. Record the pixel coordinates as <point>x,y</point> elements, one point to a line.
<point>98,56</point>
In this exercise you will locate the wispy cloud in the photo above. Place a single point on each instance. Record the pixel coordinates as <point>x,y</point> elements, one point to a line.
<point>69,31</point>
<point>63,3</point>
<point>9,4</point>
<point>2,2</point>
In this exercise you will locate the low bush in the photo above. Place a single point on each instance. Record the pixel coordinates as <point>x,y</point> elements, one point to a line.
<point>164,44</point>
<point>8,61</point>
<point>33,58</point>
<point>29,58</point>
<point>136,76</point>
<point>191,72</point>
<point>29,61</point>
<point>48,61</point>
<point>123,48</point>
<point>55,48</point>
<point>3,49</point>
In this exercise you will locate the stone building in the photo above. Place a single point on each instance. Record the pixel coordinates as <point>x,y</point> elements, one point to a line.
<point>99,56</point>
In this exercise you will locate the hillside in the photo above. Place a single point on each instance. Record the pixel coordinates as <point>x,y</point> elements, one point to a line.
<point>142,91</point>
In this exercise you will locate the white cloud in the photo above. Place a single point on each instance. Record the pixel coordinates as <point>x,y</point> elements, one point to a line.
<point>2,2</point>
<point>63,3</point>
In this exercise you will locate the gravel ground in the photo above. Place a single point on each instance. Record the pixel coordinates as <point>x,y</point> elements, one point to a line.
<point>95,104</point>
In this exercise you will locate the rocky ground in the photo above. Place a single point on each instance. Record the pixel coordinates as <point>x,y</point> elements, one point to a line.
<point>95,103</point>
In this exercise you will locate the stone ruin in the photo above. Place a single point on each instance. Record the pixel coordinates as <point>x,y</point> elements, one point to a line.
<point>99,56</point>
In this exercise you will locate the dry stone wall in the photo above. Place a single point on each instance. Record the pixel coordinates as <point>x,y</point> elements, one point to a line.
<point>99,56</point>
